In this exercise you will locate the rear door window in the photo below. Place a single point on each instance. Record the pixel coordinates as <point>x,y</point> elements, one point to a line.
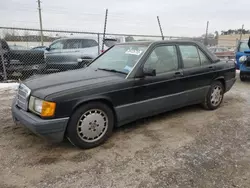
<point>73,44</point>
<point>87,43</point>
<point>190,56</point>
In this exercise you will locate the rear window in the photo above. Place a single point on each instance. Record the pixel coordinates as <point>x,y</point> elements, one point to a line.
<point>86,43</point>
<point>109,43</point>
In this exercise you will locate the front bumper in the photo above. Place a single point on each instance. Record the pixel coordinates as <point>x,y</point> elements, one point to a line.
<point>52,129</point>
<point>229,84</point>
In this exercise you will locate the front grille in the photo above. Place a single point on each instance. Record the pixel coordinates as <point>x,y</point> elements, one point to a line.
<point>22,97</point>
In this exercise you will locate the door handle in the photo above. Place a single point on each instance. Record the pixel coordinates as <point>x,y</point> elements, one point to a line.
<point>211,67</point>
<point>178,73</point>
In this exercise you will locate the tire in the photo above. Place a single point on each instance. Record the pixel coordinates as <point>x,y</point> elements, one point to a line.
<point>90,125</point>
<point>214,96</point>
<point>242,78</point>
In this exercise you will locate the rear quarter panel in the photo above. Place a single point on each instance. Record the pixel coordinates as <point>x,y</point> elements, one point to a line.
<point>225,70</point>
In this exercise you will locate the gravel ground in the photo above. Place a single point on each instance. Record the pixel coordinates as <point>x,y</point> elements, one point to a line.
<point>189,147</point>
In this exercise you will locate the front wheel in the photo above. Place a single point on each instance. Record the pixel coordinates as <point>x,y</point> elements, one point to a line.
<point>90,125</point>
<point>214,96</point>
<point>242,77</point>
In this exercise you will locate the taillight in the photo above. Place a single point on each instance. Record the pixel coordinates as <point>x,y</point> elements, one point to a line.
<point>102,51</point>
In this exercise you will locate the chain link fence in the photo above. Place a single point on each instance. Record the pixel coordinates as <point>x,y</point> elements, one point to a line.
<point>22,54</point>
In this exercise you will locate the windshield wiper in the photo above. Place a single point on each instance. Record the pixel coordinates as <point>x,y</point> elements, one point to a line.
<point>112,70</point>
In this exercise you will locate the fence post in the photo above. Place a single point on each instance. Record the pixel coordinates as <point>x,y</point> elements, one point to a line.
<point>3,62</point>
<point>206,35</point>
<point>105,27</point>
<point>98,40</point>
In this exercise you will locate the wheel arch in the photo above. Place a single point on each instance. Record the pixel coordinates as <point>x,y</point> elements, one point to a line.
<point>104,100</point>
<point>222,80</point>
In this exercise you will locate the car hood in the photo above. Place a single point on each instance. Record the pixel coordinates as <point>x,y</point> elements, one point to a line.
<point>43,86</point>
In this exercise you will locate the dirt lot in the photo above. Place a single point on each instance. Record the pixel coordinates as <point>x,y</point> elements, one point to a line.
<point>189,147</point>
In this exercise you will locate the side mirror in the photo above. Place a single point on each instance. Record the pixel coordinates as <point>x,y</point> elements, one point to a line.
<point>79,60</point>
<point>149,72</point>
<point>47,48</point>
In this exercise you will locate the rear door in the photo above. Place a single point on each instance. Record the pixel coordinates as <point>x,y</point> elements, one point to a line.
<point>198,72</point>
<point>71,52</point>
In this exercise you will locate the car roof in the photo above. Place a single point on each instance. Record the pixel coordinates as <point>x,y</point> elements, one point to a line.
<point>160,42</point>
<point>149,43</point>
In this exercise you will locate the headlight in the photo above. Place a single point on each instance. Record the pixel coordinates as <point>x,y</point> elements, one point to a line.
<point>41,107</point>
<point>242,59</point>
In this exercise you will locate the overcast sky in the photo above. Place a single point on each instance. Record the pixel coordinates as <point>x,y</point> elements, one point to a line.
<point>178,17</point>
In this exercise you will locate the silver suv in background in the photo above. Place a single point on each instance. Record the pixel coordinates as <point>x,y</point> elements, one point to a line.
<point>73,53</point>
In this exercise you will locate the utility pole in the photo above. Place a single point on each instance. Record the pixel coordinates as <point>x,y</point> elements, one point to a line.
<point>40,20</point>
<point>206,37</point>
<point>241,32</point>
<point>159,23</point>
<point>105,26</point>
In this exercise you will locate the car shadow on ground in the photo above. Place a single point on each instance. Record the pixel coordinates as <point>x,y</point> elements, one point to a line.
<point>125,129</point>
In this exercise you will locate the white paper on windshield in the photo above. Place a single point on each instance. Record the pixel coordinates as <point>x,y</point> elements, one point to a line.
<point>128,68</point>
<point>133,52</point>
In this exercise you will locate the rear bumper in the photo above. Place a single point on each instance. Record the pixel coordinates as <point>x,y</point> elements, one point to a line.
<point>229,84</point>
<point>52,130</point>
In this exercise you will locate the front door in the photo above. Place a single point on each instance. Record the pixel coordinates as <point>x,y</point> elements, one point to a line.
<point>154,94</point>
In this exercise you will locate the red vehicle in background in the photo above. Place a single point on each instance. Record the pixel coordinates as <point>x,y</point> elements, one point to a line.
<point>222,52</point>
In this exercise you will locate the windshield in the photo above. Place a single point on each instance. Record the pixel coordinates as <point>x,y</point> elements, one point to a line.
<point>243,47</point>
<point>120,58</point>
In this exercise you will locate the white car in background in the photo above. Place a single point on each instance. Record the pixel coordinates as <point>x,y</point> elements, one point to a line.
<point>74,52</point>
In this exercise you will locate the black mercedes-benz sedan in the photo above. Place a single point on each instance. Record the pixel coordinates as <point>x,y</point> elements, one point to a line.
<point>127,82</point>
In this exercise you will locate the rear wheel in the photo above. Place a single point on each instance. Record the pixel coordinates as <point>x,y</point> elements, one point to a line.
<point>214,96</point>
<point>90,125</point>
